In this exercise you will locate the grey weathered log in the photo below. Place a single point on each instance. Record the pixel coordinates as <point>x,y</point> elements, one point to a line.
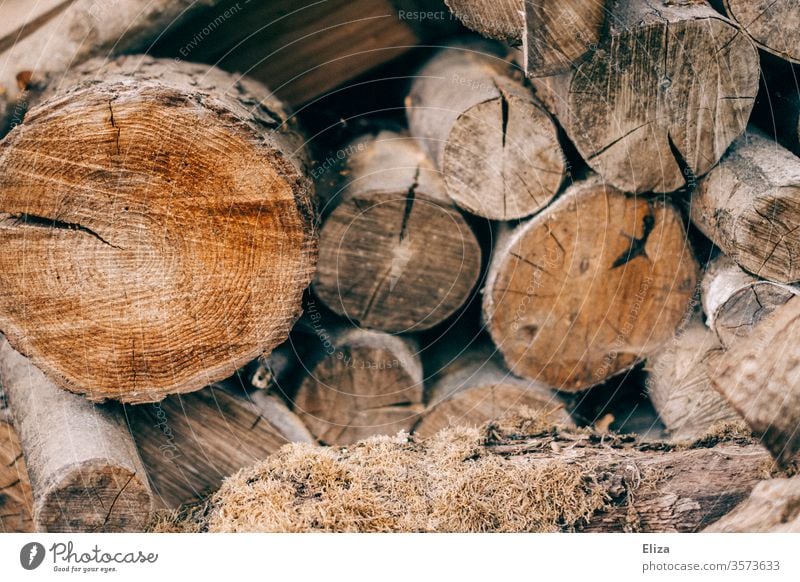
<point>679,384</point>
<point>734,301</point>
<point>496,147</point>
<point>395,253</point>
<point>360,383</point>
<point>760,377</point>
<point>774,25</point>
<point>84,469</point>
<point>747,207</point>
<point>190,443</point>
<point>475,388</point>
<point>83,29</point>
<point>773,506</point>
<point>658,102</point>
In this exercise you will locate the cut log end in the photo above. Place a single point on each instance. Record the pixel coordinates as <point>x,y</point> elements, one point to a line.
<point>166,220</point>
<point>590,287</point>
<point>774,25</point>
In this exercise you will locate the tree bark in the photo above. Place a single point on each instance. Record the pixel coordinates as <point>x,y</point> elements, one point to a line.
<point>190,443</point>
<point>173,240</point>
<point>82,29</point>
<point>746,206</point>
<point>475,389</point>
<point>362,384</point>
<point>680,387</point>
<point>395,254</point>
<point>773,506</point>
<point>661,99</point>
<point>590,287</point>
<point>760,378</point>
<point>499,19</point>
<point>84,469</point>
<point>16,498</point>
<point>494,144</point>
<point>774,25</point>
<point>735,302</point>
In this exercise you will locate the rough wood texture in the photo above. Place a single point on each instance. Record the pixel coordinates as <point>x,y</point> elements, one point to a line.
<point>496,147</point>
<point>304,49</point>
<point>16,498</point>
<point>499,19</point>
<point>475,389</point>
<point>161,237</point>
<point>773,506</point>
<point>560,33</point>
<point>734,301</point>
<point>82,29</point>
<point>589,287</point>
<point>189,443</point>
<point>774,25</point>
<point>395,254</point>
<point>84,469</point>
<point>679,384</point>
<point>747,207</point>
<point>663,96</point>
<point>363,383</point>
<point>760,378</point>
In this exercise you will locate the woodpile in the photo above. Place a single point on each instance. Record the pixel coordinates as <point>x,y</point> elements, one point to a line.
<point>587,222</point>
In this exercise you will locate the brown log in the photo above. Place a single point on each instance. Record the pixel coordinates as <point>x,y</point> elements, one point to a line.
<point>74,32</point>
<point>662,97</point>
<point>494,144</point>
<point>773,506</point>
<point>760,377</point>
<point>746,206</point>
<point>734,301</point>
<point>475,389</point>
<point>16,498</point>
<point>680,387</point>
<point>362,383</point>
<point>774,25</point>
<point>189,443</point>
<point>305,49</point>
<point>472,481</point>
<point>559,34</point>
<point>174,239</point>
<point>499,19</point>
<point>84,469</point>
<point>395,254</point>
<point>589,287</point>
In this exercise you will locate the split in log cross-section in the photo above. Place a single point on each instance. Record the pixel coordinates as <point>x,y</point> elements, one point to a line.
<point>395,254</point>
<point>161,237</point>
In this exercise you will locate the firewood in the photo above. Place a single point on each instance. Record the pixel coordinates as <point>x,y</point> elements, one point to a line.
<point>589,287</point>
<point>747,207</point>
<point>480,481</point>
<point>475,389</point>
<point>16,498</point>
<point>499,19</point>
<point>679,384</point>
<point>189,443</point>
<point>305,49</point>
<point>74,32</point>
<point>494,144</point>
<point>774,25</point>
<point>734,301</point>
<point>773,506</point>
<point>662,97</point>
<point>395,254</point>
<point>760,377</point>
<point>173,240</point>
<point>84,470</point>
<point>362,383</point>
